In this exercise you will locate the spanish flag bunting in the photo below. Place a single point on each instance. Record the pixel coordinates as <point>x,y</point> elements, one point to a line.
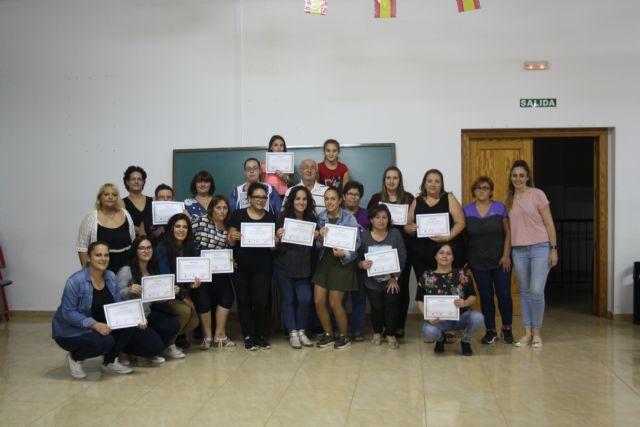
<point>384,8</point>
<point>467,5</point>
<point>315,7</point>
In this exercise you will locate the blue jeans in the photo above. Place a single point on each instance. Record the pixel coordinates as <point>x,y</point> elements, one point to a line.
<point>532,267</point>
<point>471,321</point>
<point>293,291</point>
<point>486,280</point>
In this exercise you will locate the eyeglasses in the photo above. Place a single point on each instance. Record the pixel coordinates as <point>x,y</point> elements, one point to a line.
<point>253,169</point>
<point>353,194</point>
<point>260,198</point>
<point>484,188</point>
<point>144,248</point>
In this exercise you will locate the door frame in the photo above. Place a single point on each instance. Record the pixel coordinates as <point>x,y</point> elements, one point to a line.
<point>600,188</point>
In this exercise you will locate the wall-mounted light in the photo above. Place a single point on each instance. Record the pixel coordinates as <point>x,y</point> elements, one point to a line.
<point>536,65</point>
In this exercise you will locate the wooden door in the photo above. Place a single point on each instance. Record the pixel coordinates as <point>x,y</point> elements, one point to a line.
<point>493,157</point>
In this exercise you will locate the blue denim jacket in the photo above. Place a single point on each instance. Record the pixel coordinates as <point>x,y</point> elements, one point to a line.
<point>348,220</point>
<point>73,316</point>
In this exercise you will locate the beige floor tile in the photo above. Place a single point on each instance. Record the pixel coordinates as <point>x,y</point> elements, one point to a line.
<point>22,413</point>
<point>170,414</point>
<point>465,419</point>
<point>385,418</point>
<point>241,416</point>
<point>320,416</point>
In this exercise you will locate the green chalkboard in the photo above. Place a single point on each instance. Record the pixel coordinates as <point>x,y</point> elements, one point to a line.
<point>366,163</point>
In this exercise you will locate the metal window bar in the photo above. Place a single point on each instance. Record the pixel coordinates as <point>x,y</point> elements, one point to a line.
<point>575,251</point>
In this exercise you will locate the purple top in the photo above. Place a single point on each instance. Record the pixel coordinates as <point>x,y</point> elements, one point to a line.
<point>362,216</point>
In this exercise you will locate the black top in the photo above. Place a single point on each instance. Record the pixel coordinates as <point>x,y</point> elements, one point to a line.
<point>251,259</point>
<point>457,282</point>
<point>119,241</point>
<point>144,216</point>
<point>425,247</point>
<point>100,299</point>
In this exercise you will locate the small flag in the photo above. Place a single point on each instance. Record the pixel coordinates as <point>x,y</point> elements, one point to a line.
<point>315,7</point>
<point>467,5</point>
<point>384,8</point>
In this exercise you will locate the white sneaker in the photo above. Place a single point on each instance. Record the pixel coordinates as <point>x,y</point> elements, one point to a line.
<point>156,360</point>
<point>116,368</point>
<point>76,369</point>
<point>304,339</point>
<point>294,340</point>
<point>173,352</point>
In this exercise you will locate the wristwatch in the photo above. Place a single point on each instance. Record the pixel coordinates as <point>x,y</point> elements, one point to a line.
<point>553,247</point>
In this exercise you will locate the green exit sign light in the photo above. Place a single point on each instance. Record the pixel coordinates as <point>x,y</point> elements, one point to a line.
<point>538,102</point>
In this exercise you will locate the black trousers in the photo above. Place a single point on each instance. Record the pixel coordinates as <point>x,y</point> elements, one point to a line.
<point>385,311</point>
<point>253,290</point>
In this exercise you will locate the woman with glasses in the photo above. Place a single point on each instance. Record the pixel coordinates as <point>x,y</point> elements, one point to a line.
<point>238,199</point>
<point>534,248</point>
<point>252,277</point>
<point>489,252</point>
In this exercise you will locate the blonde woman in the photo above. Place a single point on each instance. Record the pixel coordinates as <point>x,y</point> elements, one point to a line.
<point>109,223</point>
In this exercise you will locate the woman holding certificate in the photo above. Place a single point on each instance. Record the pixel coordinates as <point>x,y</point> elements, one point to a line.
<point>177,243</point>
<point>279,180</point>
<point>444,296</point>
<point>435,217</point>
<point>142,263</point>
<point>336,271</point>
<point>535,248</point>
<point>252,235</point>
<point>80,326</point>
<point>398,200</point>
<point>489,250</point>
<point>211,233</point>
<point>292,264</point>
<point>109,223</point>
<point>382,286</point>
<point>202,188</point>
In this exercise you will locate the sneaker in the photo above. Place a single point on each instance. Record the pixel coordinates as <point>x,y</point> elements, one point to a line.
<point>173,352</point>
<point>439,347</point>
<point>206,343</point>
<point>466,348</point>
<point>507,336</point>
<point>263,343</point>
<point>490,337</point>
<point>536,341</point>
<point>157,360</point>
<point>294,340</point>
<point>523,342</point>
<point>123,358</point>
<point>325,341</point>
<point>342,342</point>
<point>76,368</point>
<point>250,344</point>
<point>116,368</point>
<point>304,339</point>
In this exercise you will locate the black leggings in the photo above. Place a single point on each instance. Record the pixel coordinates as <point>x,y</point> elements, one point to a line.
<point>253,290</point>
<point>209,295</point>
<point>384,311</point>
<point>165,325</point>
<point>404,297</point>
<point>146,343</point>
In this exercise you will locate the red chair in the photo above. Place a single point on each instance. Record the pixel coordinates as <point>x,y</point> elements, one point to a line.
<point>4,284</point>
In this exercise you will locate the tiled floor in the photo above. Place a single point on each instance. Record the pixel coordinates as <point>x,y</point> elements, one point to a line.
<point>587,374</point>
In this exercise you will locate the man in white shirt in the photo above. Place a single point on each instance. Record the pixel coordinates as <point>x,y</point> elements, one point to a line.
<point>309,173</point>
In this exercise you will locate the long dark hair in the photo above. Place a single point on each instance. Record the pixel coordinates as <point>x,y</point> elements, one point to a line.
<point>134,262</point>
<point>402,196</point>
<point>511,190</point>
<point>288,210</point>
<point>174,249</point>
<point>273,139</point>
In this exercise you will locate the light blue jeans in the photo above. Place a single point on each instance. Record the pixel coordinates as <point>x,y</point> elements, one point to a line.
<point>471,321</point>
<point>532,267</point>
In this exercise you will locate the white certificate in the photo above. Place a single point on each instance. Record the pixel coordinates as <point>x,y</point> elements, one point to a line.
<point>298,232</point>
<point>433,224</point>
<point>158,288</point>
<point>399,213</point>
<point>257,234</point>
<point>188,268</point>
<point>341,237</point>
<point>384,262</point>
<point>162,211</point>
<point>282,162</point>
<point>124,314</point>
<point>441,307</point>
<point>221,260</point>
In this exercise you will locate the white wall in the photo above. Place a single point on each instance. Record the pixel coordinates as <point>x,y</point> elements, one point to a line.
<point>88,87</point>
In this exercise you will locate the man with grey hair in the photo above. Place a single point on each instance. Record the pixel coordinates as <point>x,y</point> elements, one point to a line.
<point>309,173</point>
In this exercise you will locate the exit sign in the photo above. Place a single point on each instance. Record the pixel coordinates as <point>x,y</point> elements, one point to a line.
<point>538,102</point>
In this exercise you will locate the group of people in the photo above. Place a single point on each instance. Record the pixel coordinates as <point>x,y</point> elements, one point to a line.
<point>118,245</point>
